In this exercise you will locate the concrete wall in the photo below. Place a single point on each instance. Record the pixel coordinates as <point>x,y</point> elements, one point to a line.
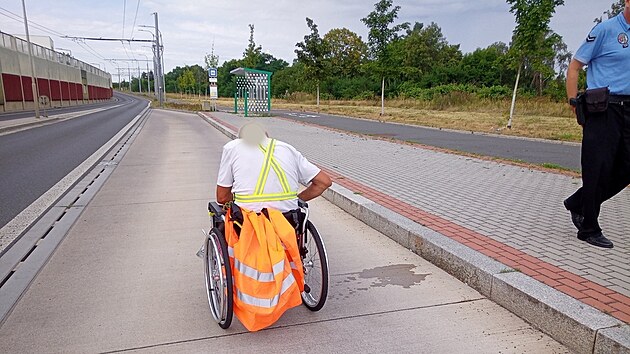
<point>62,79</point>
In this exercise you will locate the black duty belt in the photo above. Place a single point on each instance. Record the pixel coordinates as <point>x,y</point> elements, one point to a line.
<point>622,99</point>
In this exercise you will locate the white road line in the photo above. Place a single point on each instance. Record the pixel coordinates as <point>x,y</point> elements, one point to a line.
<point>23,220</point>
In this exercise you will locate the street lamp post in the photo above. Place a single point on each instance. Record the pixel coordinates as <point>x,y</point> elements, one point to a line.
<point>148,78</point>
<point>155,65</point>
<point>30,57</point>
<point>159,62</point>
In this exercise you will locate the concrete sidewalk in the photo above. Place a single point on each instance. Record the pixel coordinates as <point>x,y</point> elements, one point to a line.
<point>126,277</point>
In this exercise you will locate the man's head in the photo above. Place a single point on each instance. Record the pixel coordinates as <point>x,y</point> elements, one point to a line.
<point>254,133</point>
<point>626,11</point>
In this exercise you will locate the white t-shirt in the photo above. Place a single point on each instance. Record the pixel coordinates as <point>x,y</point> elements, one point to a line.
<point>241,164</point>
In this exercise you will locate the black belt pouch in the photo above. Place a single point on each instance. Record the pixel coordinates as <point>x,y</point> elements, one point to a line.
<point>596,100</point>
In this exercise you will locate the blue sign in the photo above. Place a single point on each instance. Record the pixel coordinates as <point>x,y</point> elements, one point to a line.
<point>212,72</point>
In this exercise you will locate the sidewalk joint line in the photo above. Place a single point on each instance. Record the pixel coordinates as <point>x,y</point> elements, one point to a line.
<point>300,324</point>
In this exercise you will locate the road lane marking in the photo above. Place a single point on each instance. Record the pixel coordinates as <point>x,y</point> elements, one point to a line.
<point>302,115</point>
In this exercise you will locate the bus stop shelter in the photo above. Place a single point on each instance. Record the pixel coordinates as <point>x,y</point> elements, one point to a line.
<point>253,91</point>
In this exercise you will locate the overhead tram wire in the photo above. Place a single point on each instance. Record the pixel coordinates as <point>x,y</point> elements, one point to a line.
<point>135,17</point>
<point>20,19</point>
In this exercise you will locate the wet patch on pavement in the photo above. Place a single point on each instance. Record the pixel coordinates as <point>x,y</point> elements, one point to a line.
<point>402,275</point>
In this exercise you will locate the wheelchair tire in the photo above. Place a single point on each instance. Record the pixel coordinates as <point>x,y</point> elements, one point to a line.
<point>218,274</point>
<point>315,270</point>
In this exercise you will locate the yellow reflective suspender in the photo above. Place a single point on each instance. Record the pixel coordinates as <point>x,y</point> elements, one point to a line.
<point>259,196</point>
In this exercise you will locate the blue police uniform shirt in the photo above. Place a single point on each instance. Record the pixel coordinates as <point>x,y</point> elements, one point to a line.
<point>606,51</point>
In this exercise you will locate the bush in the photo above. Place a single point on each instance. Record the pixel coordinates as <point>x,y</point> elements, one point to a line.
<point>494,92</point>
<point>299,97</point>
<point>410,90</point>
<point>365,96</point>
<point>556,91</point>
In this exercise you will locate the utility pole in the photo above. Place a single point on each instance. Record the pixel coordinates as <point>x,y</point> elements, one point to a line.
<point>120,88</point>
<point>129,72</point>
<point>30,57</point>
<point>148,79</point>
<point>156,80</point>
<point>139,78</point>
<point>158,51</point>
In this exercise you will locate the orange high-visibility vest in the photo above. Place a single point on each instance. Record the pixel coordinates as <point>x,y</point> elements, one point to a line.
<point>266,264</point>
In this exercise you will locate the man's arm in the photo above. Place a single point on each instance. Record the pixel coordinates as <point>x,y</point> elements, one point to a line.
<point>318,185</point>
<point>224,194</point>
<point>572,79</point>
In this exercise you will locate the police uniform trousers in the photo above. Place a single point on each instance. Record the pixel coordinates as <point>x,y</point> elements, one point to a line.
<point>605,162</point>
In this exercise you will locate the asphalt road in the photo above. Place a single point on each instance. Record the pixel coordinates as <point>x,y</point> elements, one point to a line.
<point>527,150</point>
<point>34,160</point>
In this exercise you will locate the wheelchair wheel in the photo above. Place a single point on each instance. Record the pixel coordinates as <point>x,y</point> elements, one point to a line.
<point>218,278</point>
<point>315,270</point>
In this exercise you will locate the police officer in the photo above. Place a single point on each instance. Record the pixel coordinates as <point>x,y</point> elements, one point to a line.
<point>606,138</point>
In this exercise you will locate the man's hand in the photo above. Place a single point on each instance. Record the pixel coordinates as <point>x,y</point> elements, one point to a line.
<point>318,185</point>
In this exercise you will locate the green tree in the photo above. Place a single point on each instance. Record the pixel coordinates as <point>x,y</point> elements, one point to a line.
<point>346,52</point>
<point>486,66</point>
<point>270,63</point>
<point>211,60</point>
<point>226,82</point>
<point>423,51</point>
<point>186,81</point>
<point>312,52</point>
<point>289,80</point>
<point>531,42</point>
<point>171,83</point>
<point>615,9</point>
<point>381,34</point>
<point>253,53</point>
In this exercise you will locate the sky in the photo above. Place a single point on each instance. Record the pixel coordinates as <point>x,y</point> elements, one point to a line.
<point>189,27</point>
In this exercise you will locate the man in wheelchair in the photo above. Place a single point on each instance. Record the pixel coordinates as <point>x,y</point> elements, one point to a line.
<point>258,181</point>
<point>244,176</point>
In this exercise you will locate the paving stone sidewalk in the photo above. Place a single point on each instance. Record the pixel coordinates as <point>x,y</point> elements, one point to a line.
<point>511,213</point>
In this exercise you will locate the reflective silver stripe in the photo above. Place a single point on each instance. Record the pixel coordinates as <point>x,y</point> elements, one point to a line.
<point>267,303</point>
<point>231,251</point>
<point>250,272</point>
<point>293,266</point>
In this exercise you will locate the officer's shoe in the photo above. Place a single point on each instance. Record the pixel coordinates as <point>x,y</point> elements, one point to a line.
<point>597,239</point>
<point>577,218</point>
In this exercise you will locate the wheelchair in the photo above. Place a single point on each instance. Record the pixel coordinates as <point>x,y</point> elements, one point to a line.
<point>218,270</point>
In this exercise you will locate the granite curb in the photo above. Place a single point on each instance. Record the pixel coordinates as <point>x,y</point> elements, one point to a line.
<point>580,327</point>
